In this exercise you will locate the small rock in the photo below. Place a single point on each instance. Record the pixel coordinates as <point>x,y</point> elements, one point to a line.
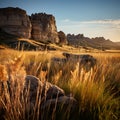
<point>61,108</point>
<point>62,37</point>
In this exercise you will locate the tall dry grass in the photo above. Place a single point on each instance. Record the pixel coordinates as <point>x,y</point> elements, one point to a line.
<point>97,91</point>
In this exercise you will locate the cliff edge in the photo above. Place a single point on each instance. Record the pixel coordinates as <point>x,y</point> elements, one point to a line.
<point>39,26</point>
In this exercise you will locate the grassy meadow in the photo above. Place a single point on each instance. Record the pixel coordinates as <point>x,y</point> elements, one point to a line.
<point>97,91</point>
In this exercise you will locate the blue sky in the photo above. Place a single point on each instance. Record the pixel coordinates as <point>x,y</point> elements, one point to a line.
<point>89,17</point>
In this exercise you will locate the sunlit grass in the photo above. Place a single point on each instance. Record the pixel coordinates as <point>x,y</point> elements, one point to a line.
<point>97,91</point>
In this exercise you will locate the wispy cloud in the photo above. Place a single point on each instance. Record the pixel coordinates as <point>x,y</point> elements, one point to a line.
<point>109,21</point>
<point>65,20</point>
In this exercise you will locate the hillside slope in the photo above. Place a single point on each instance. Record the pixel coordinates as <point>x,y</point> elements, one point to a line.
<point>98,42</point>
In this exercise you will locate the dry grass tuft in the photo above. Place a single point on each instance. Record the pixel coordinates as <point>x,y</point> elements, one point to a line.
<point>3,73</point>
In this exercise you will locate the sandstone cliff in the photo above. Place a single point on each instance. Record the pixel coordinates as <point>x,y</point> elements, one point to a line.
<point>38,26</point>
<point>15,21</point>
<point>44,28</point>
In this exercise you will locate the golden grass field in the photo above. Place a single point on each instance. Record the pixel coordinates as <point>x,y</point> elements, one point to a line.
<point>97,91</point>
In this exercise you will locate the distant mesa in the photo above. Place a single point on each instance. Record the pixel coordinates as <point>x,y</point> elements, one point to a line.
<point>38,26</point>
<point>97,43</point>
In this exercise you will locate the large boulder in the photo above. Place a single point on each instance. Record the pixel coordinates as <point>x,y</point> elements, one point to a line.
<point>44,28</point>
<point>86,61</point>
<point>53,101</point>
<point>43,100</point>
<point>46,89</point>
<point>15,21</point>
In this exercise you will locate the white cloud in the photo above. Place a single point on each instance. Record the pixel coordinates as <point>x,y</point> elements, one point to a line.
<point>66,20</point>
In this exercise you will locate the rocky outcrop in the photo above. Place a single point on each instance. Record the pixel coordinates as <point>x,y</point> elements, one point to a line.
<point>44,28</point>
<point>38,26</point>
<point>47,90</point>
<point>62,37</point>
<point>85,61</point>
<point>43,98</point>
<point>15,21</point>
<point>52,98</point>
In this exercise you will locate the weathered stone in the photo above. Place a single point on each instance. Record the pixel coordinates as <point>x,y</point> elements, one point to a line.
<point>15,21</point>
<point>61,108</point>
<point>34,86</point>
<point>43,92</point>
<point>62,37</point>
<point>50,100</point>
<point>86,61</point>
<point>38,26</point>
<point>46,90</point>
<point>44,28</point>
<point>84,58</point>
<point>54,92</point>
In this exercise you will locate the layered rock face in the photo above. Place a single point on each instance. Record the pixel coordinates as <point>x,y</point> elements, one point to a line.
<point>39,26</point>
<point>15,21</point>
<point>44,28</point>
